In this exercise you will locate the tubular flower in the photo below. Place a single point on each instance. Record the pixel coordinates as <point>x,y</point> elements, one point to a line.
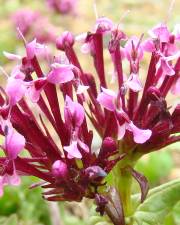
<point>133,119</point>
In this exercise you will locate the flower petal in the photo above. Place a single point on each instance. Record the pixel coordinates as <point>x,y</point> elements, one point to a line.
<point>134,83</point>
<point>83,146</point>
<point>73,112</point>
<point>81,89</point>
<point>15,89</point>
<point>61,74</point>
<point>161,32</point>
<point>12,56</point>
<point>14,143</point>
<point>107,99</point>
<point>121,131</point>
<point>166,67</point>
<point>73,151</point>
<point>140,135</point>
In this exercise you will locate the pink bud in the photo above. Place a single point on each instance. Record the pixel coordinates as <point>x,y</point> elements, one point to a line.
<point>59,169</point>
<point>65,40</point>
<point>108,147</point>
<point>103,25</point>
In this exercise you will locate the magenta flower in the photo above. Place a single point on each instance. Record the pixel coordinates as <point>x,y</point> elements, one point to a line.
<point>63,6</point>
<point>131,121</point>
<point>33,24</point>
<point>24,18</point>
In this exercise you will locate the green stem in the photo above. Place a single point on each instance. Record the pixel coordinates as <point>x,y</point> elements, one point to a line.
<point>123,183</point>
<point>122,180</point>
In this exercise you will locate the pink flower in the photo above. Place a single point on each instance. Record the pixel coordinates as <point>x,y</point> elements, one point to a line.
<point>165,63</point>
<point>33,48</point>
<point>63,6</point>
<point>160,32</point>
<point>12,56</point>
<point>65,39</point>
<point>60,73</point>
<point>128,122</point>
<point>140,135</point>
<point>73,151</point>
<point>15,90</point>
<point>107,99</point>
<point>14,142</point>
<point>59,169</point>
<point>167,68</point>
<point>81,89</point>
<point>134,83</point>
<point>35,88</point>
<point>148,45</point>
<point>73,113</point>
<point>24,18</point>
<point>133,49</point>
<point>103,25</point>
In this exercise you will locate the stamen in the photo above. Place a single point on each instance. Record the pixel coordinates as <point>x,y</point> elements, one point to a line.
<point>139,42</point>
<point>21,35</point>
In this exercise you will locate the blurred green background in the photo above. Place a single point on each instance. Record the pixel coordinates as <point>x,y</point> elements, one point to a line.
<point>26,207</point>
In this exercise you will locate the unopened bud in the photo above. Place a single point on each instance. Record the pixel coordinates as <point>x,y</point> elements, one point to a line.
<point>153,93</point>
<point>59,169</point>
<point>108,148</point>
<point>95,172</point>
<point>65,40</point>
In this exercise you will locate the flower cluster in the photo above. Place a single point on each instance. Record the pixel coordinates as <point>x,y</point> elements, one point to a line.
<point>134,119</point>
<point>32,23</point>
<point>63,6</point>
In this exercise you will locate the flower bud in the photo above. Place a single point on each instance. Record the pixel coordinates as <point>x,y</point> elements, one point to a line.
<point>176,115</point>
<point>95,172</point>
<point>153,93</point>
<point>59,169</point>
<point>108,147</point>
<point>103,25</point>
<point>65,40</point>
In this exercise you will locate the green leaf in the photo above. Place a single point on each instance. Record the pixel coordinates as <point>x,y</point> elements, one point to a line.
<point>159,204</point>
